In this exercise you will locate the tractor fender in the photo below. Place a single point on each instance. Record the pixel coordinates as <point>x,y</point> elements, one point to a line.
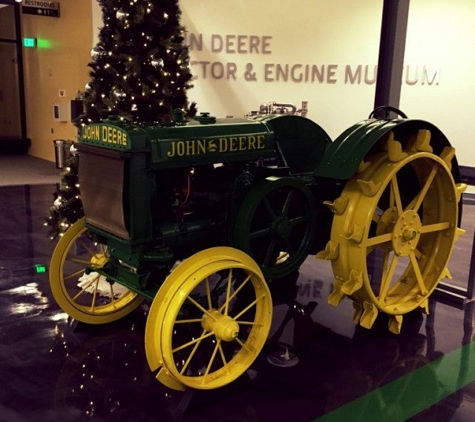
<point>343,156</point>
<point>300,141</point>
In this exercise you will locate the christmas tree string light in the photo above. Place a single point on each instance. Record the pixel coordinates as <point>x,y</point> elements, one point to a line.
<point>67,205</point>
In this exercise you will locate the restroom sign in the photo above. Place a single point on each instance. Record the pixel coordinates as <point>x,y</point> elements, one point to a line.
<point>40,8</point>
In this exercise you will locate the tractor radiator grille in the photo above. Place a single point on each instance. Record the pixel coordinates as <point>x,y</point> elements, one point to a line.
<point>101,179</point>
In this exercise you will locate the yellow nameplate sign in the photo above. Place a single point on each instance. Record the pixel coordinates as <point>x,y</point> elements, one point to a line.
<point>192,147</point>
<point>106,134</point>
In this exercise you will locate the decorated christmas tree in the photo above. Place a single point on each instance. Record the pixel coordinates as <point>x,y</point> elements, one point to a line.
<point>140,66</point>
<point>67,205</point>
<point>139,72</point>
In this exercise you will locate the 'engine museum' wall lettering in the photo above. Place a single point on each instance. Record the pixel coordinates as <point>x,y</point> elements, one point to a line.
<point>319,73</point>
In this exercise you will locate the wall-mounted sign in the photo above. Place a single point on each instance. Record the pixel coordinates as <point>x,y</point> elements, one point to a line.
<point>270,70</point>
<point>40,8</point>
<point>29,42</point>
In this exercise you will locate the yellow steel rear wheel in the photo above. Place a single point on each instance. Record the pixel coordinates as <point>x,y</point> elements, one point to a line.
<point>87,298</point>
<point>209,320</point>
<point>393,231</point>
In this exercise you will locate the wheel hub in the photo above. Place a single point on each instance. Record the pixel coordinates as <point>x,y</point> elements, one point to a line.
<point>99,260</point>
<point>406,233</point>
<point>223,326</point>
<point>283,228</point>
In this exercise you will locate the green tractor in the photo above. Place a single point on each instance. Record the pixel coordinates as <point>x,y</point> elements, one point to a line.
<point>198,217</point>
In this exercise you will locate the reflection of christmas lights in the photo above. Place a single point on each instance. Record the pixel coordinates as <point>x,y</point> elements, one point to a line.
<point>27,306</point>
<point>58,317</point>
<point>97,375</point>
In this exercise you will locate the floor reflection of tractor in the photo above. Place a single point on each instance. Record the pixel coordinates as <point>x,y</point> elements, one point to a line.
<point>198,217</point>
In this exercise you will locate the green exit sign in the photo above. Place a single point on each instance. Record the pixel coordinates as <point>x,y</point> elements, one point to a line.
<point>29,42</point>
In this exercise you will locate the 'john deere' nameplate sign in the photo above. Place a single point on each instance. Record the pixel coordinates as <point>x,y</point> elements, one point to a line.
<point>105,135</point>
<point>40,8</point>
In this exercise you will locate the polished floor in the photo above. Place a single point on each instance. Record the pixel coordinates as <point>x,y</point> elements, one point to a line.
<point>55,369</point>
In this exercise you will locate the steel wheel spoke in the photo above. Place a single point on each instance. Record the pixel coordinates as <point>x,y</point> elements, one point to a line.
<point>188,321</point>
<point>228,291</point>
<point>270,251</point>
<point>103,249</point>
<point>92,253</point>
<point>396,195</point>
<point>112,294</point>
<point>208,293</point>
<point>243,345</point>
<point>213,355</point>
<point>269,209</point>
<point>94,295</point>
<point>195,348</point>
<point>420,198</point>
<point>73,275</point>
<point>257,324</point>
<point>379,240</point>
<point>236,292</point>
<point>288,200</point>
<point>85,287</point>
<point>253,303</point>
<point>297,221</point>
<point>260,233</point>
<point>205,311</point>
<point>437,227</point>
<point>387,276</point>
<point>223,359</point>
<point>190,343</point>
<point>417,272</point>
<point>79,261</point>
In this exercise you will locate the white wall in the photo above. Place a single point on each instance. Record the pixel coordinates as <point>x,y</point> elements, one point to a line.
<point>96,21</point>
<point>342,36</point>
<point>329,33</point>
<point>442,33</point>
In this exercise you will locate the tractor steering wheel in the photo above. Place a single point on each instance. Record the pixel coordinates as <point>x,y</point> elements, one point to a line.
<point>387,109</point>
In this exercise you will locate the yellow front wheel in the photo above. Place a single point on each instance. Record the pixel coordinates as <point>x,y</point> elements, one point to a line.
<point>209,320</point>
<point>89,298</point>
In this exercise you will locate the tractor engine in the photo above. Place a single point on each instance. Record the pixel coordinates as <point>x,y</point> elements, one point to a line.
<point>192,205</point>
